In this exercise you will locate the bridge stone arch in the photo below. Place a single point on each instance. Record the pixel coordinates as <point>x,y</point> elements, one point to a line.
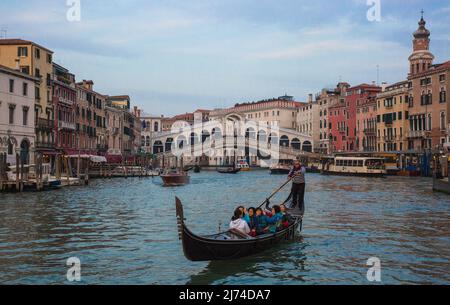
<point>307,146</point>
<point>158,147</point>
<point>296,144</point>
<point>284,141</point>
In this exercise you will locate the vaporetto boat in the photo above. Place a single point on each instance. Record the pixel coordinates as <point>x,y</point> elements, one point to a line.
<point>355,166</point>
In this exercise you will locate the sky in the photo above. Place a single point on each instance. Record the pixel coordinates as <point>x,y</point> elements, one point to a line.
<point>176,56</point>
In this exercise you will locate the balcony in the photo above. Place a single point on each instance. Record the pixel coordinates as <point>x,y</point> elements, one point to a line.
<point>417,134</point>
<point>102,148</point>
<point>66,125</point>
<point>370,131</point>
<point>62,100</point>
<point>41,145</point>
<point>44,124</point>
<point>389,138</point>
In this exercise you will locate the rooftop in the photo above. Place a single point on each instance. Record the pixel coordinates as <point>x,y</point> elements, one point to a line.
<point>16,41</point>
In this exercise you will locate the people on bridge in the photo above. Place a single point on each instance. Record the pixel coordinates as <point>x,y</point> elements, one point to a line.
<point>297,174</point>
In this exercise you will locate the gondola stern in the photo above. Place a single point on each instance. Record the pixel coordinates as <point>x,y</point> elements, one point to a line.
<point>180,217</point>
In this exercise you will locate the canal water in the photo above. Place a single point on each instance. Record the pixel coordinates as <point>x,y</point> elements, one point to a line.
<point>124,232</point>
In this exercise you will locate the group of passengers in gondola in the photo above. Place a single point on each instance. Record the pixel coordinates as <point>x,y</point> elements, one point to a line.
<point>256,222</point>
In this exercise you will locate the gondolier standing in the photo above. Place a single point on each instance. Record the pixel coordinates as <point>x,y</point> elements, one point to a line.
<point>297,174</point>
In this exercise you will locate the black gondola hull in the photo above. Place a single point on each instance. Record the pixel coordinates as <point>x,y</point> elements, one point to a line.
<point>206,248</point>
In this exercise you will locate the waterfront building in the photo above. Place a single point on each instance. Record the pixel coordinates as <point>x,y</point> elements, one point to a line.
<point>137,130</point>
<point>17,125</point>
<point>393,118</point>
<point>35,60</point>
<point>281,111</point>
<point>325,99</point>
<point>337,131</point>
<point>366,124</point>
<point>120,101</point>
<point>343,117</point>
<point>428,87</point>
<point>309,122</point>
<point>114,134</point>
<point>150,125</point>
<point>64,101</point>
<point>87,108</point>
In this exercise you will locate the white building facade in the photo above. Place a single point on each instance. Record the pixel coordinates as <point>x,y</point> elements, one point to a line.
<point>17,123</point>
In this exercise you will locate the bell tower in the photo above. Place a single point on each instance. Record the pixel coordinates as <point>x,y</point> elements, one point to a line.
<point>421,59</point>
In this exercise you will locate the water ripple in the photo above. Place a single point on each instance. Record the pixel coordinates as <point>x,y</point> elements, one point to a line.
<point>124,232</point>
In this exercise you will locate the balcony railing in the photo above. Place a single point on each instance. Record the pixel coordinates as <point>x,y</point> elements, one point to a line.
<point>45,123</point>
<point>44,145</point>
<point>417,134</point>
<point>102,148</point>
<point>66,125</point>
<point>370,131</point>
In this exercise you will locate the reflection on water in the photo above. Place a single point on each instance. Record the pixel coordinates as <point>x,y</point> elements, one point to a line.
<point>124,232</point>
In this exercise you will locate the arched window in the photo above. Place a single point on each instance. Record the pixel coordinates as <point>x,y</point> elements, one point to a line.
<point>443,121</point>
<point>442,96</point>
<point>156,127</point>
<point>10,147</point>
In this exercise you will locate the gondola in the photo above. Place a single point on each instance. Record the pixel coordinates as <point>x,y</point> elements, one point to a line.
<point>280,169</point>
<point>230,244</point>
<point>228,170</point>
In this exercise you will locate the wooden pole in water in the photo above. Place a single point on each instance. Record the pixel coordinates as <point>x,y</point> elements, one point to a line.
<point>2,171</point>
<point>66,165</point>
<point>17,173</point>
<point>86,176</point>
<point>78,166</point>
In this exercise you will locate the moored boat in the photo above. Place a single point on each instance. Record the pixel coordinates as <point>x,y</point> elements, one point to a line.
<point>242,165</point>
<point>280,169</point>
<point>355,166</point>
<point>228,170</point>
<point>441,185</point>
<point>230,244</point>
<point>175,177</point>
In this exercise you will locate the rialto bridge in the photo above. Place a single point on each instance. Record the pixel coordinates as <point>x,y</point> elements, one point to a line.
<point>219,142</point>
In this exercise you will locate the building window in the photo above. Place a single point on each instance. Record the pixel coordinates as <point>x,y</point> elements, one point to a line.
<point>443,121</point>
<point>49,58</point>
<point>38,53</point>
<point>11,86</point>
<point>442,96</point>
<point>442,77</point>
<point>22,51</point>
<point>37,93</point>
<point>25,69</point>
<point>11,113</point>
<point>25,116</point>
<point>37,72</point>
<point>25,89</point>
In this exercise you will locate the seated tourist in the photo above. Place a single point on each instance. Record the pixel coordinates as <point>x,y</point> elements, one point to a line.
<point>287,218</point>
<point>250,217</point>
<point>261,222</point>
<point>238,223</point>
<point>276,219</point>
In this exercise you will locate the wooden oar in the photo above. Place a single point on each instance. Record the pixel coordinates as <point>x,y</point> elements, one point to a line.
<point>274,193</point>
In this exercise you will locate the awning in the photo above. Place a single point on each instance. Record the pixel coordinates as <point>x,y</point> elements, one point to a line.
<point>92,158</point>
